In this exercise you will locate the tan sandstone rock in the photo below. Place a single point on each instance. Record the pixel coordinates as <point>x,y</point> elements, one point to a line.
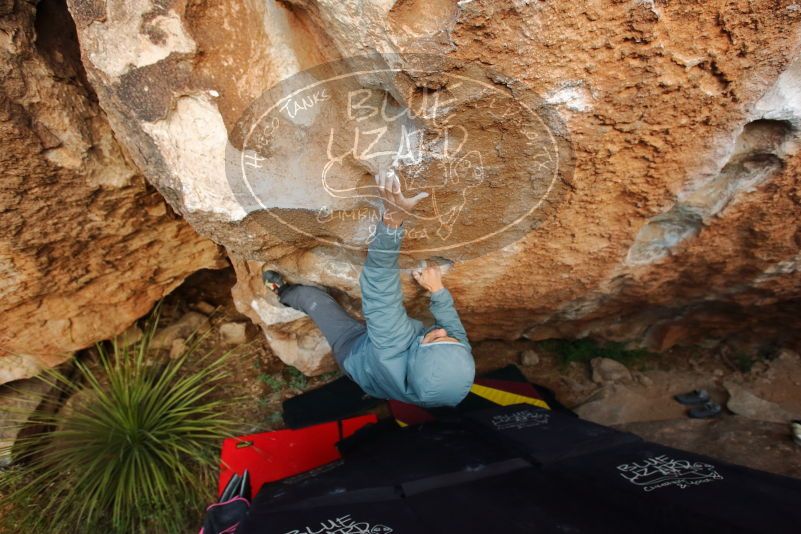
<point>233,333</point>
<point>743,402</point>
<point>292,335</point>
<point>606,370</point>
<point>529,358</point>
<point>615,404</point>
<point>190,324</point>
<point>674,218</point>
<point>17,403</point>
<point>86,245</point>
<point>177,348</point>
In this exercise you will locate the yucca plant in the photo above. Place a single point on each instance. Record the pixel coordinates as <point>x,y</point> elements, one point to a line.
<point>134,451</point>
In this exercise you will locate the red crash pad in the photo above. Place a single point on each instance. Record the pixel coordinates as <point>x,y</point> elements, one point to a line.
<point>271,456</point>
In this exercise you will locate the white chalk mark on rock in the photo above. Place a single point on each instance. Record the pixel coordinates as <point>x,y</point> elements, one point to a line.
<point>192,140</point>
<point>572,95</point>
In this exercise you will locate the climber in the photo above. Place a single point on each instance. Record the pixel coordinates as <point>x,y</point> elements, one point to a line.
<point>392,356</point>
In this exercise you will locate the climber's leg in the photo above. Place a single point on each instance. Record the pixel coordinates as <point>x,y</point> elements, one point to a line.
<point>338,327</point>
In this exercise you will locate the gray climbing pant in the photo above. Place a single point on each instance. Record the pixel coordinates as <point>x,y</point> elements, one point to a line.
<point>339,328</point>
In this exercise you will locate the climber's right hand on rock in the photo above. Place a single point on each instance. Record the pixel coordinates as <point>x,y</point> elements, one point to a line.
<point>396,206</point>
<point>429,277</point>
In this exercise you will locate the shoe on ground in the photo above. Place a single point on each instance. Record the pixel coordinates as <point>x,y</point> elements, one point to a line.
<point>696,396</point>
<point>705,411</point>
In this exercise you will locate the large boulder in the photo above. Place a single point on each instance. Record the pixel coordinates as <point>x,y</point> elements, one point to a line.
<point>87,245</point>
<point>627,170</point>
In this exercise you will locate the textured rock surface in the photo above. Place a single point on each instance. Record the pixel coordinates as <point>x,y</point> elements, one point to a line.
<point>17,404</point>
<point>680,221</point>
<point>190,324</point>
<point>615,404</point>
<point>743,402</point>
<point>291,334</point>
<point>86,246</point>
<point>233,333</point>
<point>605,370</point>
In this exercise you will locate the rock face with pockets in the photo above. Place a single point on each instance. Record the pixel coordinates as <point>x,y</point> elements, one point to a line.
<point>87,245</point>
<point>674,212</point>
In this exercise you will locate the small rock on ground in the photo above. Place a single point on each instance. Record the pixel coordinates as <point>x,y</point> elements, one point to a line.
<point>642,379</point>
<point>204,307</point>
<point>233,333</point>
<point>605,370</point>
<point>177,348</point>
<point>613,405</point>
<point>529,358</point>
<point>190,323</point>
<point>743,402</point>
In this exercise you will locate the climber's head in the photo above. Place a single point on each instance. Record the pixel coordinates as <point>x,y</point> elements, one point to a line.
<point>441,372</point>
<point>437,335</point>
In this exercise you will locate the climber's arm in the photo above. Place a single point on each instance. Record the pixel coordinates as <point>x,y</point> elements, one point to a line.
<point>441,304</point>
<point>388,325</point>
<point>445,315</point>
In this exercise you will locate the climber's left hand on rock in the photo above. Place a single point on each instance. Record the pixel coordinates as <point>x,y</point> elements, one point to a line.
<point>396,206</point>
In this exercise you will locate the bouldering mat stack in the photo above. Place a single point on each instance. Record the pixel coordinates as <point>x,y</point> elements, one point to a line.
<point>516,469</point>
<point>438,477</point>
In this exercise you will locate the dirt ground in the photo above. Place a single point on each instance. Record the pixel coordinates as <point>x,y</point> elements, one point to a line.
<point>642,404</point>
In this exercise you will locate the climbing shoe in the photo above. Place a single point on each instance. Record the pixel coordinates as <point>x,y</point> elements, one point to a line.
<point>704,411</point>
<point>696,396</point>
<point>274,281</point>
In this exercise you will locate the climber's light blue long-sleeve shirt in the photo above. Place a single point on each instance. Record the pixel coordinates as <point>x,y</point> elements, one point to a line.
<point>389,361</point>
